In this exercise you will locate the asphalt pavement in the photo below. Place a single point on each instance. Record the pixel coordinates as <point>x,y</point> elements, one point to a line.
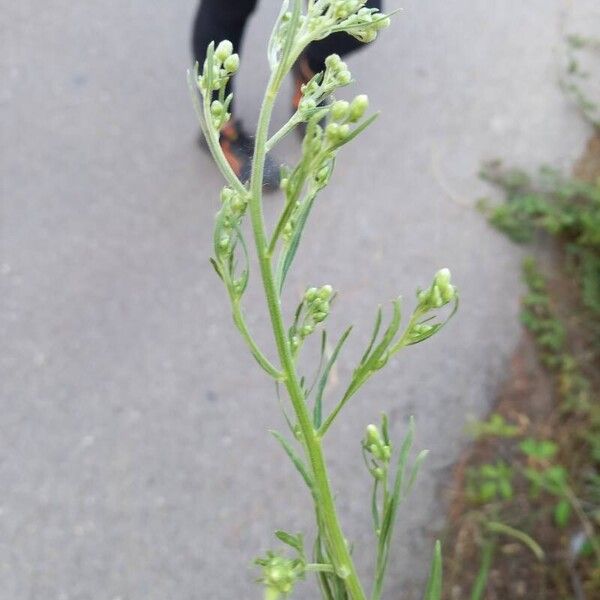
<point>135,462</point>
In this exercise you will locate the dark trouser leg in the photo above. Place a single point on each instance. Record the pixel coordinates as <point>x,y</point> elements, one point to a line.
<point>337,43</point>
<point>218,20</point>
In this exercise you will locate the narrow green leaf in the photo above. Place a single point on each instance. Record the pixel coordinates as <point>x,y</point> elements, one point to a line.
<point>388,336</point>
<point>300,466</point>
<point>291,252</point>
<point>295,541</point>
<point>385,429</point>
<point>373,335</point>
<point>356,131</point>
<point>391,510</point>
<point>434,584</point>
<point>497,527</point>
<point>415,471</point>
<point>320,365</point>
<point>487,554</point>
<point>318,408</point>
<point>213,262</point>
<point>374,507</point>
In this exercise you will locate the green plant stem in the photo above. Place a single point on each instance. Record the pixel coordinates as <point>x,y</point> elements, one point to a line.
<point>279,135</point>
<point>337,548</point>
<point>480,583</point>
<point>262,360</point>
<point>211,136</point>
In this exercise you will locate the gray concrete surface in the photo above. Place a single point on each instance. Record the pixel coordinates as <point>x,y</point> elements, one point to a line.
<point>134,456</point>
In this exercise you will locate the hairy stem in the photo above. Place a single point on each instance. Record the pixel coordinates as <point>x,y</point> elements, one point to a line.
<point>336,543</point>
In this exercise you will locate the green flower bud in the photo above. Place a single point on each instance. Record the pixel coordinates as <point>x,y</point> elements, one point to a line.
<point>378,473</point>
<point>344,131</point>
<point>448,294</point>
<point>232,63</point>
<point>310,294</point>
<point>307,329</point>
<point>423,296</point>
<point>344,77</point>
<point>226,193</point>
<point>223,50</point>
<point>340,110</point>
<point>332,131</point>
<point>319,317</point>
<point>373,435</point>
<point>442,277</point>
<point>216,109</point>
<point>333,62</point>
<point>436,297</point>
<point>358,107</point>
<point>224,242</point>
<point>325,292</point>
<point>308,104</point>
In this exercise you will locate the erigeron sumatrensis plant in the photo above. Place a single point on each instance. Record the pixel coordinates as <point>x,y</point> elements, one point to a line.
<point>328,127</point>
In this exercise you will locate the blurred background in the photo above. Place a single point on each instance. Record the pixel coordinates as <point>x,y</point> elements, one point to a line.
<point>135,461</point>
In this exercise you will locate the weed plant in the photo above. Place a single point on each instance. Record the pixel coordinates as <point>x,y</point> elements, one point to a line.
<point>308,411</point>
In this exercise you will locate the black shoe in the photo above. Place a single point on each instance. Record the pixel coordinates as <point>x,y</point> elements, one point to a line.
<point>238,148</point>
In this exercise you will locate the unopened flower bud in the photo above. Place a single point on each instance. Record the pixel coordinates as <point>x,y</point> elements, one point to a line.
<point>358,107</point>
<point>224,242</point>
<point>308,104</point>
<point>223,50</point>
<point>216,109</point>
<point>339,110</point>
<point>332,131</point>
<point>232,63</point>
<point>436,297</point>
<point>325,292</point>
<point>442,277</point>
<point>310,294</point>
<point>344,77</point>
<point>333,62</point>
<point>373,436</point>
<point>448,293</point>
<point>378,473</point>
<point>307,329</point>
<point>226,193</point>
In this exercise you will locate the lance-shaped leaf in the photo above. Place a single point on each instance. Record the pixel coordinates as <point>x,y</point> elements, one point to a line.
<point>296,460</point>
<point>318,408</point>
<point>434,583</point>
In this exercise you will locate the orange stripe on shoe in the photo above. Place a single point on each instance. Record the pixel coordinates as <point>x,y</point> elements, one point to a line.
<point>232,159</point>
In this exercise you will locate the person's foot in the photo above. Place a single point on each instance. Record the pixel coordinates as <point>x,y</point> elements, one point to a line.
<point>238,148</point>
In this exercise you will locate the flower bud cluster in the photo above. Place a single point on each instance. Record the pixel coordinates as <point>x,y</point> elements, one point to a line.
<point>350,16</point>
<point>343,114</point>
<point>224,65</point>
<point>380,450</point>
<point>313,310</point>
<point>227,234</point>
<point>336,75</point>
<point>279,574</point>
<point>440,293</point>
